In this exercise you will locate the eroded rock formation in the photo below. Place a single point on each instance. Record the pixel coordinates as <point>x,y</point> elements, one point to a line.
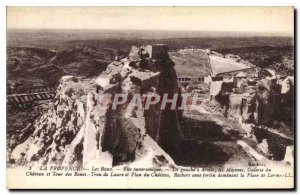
<point>82,129</point>
<point>264,107</point>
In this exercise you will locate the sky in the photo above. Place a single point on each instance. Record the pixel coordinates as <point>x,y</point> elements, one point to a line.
<point>241,19</point>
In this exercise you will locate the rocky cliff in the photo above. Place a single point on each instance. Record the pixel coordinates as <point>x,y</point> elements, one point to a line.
<point>81,128</point>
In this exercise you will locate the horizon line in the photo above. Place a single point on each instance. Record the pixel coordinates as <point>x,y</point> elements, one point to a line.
<point>275,33</point>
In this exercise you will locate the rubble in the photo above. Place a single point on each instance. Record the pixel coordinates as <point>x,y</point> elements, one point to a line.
<point>255,97</point>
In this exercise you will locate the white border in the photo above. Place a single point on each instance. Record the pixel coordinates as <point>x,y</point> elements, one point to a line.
<point>151,3</point>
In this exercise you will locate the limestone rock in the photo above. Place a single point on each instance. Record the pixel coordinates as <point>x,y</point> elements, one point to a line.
<point>289,155</point>
<point>81,128</point>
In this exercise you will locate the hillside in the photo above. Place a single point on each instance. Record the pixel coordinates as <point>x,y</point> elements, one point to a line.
<point>280,58</point>
<point>19,58</point>
<point>30,67</point>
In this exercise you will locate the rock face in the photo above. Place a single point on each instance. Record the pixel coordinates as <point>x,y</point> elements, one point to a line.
<point>257,100</point>
<point>262,101</point>
<point>83,128</point>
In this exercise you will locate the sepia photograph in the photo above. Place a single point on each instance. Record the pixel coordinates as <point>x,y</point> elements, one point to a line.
<point>150,97</point>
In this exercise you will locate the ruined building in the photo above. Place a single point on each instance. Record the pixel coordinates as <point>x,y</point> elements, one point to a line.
<point>262,102</point>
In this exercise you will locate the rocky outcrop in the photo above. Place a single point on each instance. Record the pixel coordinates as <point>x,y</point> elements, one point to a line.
<point>260,101</point>
<point>263,104</point>
<point>83,127</point>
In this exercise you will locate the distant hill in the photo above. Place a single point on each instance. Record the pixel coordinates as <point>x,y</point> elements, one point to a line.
<point>64,39</point>
<point>279,58</point>
<point>22,58</point>
<point>32,67</point>
<point>85,60</point>
<point>87,53</point>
